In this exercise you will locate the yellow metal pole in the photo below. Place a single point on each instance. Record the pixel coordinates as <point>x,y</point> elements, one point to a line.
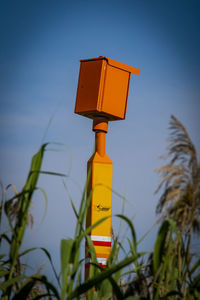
<point>100,169</point>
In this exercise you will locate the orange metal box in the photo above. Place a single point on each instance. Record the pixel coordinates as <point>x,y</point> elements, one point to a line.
<point>103,88</point>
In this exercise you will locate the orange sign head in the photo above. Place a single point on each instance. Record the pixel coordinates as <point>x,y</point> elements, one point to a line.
<point>103,88</point>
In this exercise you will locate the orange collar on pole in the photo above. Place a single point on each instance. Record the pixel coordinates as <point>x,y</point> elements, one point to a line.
<point>100,126</point>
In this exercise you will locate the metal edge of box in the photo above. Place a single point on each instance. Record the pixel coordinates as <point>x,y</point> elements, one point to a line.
<point>101,85</point>
<point>127,93</point>
<point>90,115</point>
<point>123,66</point>
<point>95,58</point>
<point>116,64</point>
<point>76,111</point>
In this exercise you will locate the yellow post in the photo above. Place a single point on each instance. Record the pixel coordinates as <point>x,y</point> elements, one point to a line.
<point>100,172</point>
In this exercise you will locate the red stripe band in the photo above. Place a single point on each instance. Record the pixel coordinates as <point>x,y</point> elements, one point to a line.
<point>101,243</point>
<point>103,266</point>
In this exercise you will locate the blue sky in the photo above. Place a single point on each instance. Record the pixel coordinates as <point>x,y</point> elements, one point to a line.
<point>41,45</point>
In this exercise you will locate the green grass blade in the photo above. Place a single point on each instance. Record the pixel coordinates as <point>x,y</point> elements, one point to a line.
<point>27,251</point>
<point>135,298</point>
<point>24,204</point>
<point>46,202</point>
<point>5,237</point>
<point>10,282</point>
<point>195,267</point>
<point>24,292</point>
<point>51,173</point>
<point>100,277</point>
<point>71,201</point>
<point>49,286</point>
<point>52,265</point>
<point>3,273</point>
<point>116,290</point>
<point>88,230</point>
<point>66,251</point>
<point>159,246</point>
<point>128,221</point>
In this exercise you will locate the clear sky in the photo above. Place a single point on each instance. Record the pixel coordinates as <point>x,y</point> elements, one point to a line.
<point>41,45</point>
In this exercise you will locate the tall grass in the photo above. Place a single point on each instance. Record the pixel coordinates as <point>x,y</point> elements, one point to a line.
<point>168,272</point>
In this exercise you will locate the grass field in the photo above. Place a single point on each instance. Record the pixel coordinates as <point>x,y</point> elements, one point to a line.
<point>170,271</point>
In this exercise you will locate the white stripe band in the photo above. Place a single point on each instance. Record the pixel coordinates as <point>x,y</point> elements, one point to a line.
<point>100,238</point>
<point>102,260</point>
